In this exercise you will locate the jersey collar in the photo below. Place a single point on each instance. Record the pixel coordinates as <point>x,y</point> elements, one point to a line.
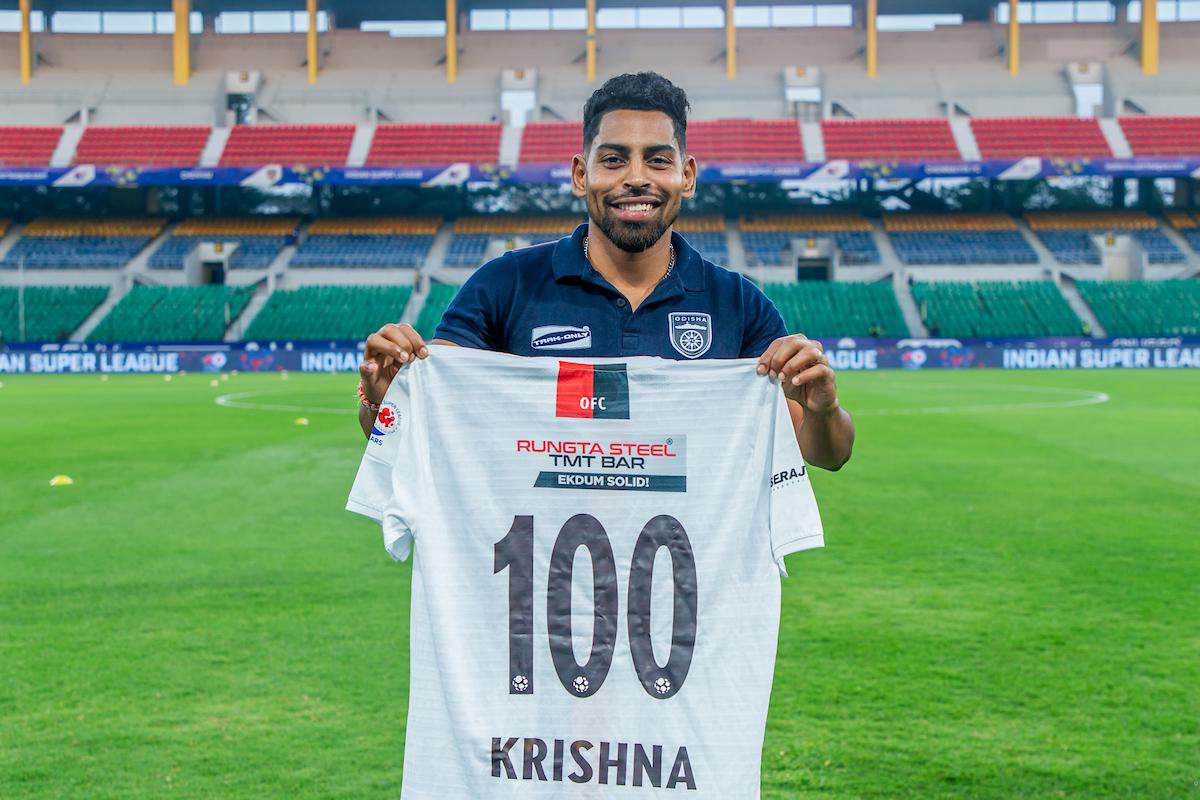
<point>568,262</point>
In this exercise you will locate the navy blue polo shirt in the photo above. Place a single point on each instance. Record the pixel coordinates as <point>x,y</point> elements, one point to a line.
<point>547,300</point>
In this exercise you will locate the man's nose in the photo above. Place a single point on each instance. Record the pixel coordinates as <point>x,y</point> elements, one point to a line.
<point>635,177</point>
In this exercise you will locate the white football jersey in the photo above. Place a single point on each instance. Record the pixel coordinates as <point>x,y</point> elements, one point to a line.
<point>595,597</point>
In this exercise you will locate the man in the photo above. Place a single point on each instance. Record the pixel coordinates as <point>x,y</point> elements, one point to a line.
<point>624,284</point>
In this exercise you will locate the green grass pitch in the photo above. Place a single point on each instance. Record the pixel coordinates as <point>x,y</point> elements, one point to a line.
<point>1008,604</point>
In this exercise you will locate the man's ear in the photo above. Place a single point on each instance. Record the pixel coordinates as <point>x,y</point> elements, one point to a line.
<point>689,176</point>
<point>578,176</point>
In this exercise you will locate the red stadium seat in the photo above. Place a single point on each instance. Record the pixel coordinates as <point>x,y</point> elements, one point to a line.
<point>159,145</point>
<point>1162,136</point>
<point>707,140</point>
<point>1017,137</point>
<point>252,145</point>
<point>25,146</point>
<point>435,144</point>
<point>890,140</point>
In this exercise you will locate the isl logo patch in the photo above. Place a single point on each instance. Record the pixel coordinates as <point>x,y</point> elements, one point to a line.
<point>385,421</point>
<point>592,391</point>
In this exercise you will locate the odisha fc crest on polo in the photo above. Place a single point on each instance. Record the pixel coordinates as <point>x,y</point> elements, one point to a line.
<point>691,334</point>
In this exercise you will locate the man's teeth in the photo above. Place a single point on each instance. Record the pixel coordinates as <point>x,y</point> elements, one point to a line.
<point>637,207</point>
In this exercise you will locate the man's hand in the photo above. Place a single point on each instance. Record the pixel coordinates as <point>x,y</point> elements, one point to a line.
<point>802,369</point>
<point>823,429</point>
<point>388,349</point>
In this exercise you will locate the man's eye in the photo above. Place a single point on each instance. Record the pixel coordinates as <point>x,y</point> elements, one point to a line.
<point>660,160</point>
<point>610,161</point>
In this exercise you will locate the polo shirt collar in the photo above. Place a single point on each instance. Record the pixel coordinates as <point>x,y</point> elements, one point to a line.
<point>568,261</point>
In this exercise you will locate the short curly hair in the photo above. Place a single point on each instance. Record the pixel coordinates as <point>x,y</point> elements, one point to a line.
<point>642,91</point>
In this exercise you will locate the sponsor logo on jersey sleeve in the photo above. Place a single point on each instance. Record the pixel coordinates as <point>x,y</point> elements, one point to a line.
<point>561,337</point>
<point>691,334</point>
<point>592,391</point>
<point>788,476</point>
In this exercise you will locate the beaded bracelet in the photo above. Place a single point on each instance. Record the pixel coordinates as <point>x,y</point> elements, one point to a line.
<point>362,398</point>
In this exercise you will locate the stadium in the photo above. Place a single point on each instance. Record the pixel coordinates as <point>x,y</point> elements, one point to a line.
<point>987,210</point>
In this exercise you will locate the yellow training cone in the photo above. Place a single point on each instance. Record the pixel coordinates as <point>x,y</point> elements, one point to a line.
<point>167,378</point>
<point>104,379</point>
<point>283,375</point>
<point>61,480</point>
<point>214,382</point>
<point>301,420</point>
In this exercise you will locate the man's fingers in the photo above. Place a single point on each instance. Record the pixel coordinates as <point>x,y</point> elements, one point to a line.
<point>764,361</point>
<point>802,360</point>
<point>815,372</point>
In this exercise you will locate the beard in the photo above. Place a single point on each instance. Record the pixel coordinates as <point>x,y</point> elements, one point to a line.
<point>633,237</point>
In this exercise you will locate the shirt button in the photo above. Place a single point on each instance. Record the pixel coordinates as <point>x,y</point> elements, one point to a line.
<point>620,302</point>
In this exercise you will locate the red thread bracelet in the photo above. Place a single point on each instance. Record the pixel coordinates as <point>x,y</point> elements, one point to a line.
<point>362,398</point>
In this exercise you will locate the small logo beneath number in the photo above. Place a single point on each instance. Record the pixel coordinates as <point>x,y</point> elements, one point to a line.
<point>580,684</point>
<point>662,685</point>
<point>521,684</point>
<point>691,334</point>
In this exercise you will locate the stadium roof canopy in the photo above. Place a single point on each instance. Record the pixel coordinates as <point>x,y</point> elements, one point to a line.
<point>349,13</point>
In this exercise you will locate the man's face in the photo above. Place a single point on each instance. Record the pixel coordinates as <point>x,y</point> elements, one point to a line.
<point>634,178</point>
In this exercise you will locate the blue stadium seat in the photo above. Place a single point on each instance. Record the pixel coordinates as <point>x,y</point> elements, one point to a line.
<point>768,248</point>
<point>357,250</point>
<point>73,252</point>
<point>962,247</point>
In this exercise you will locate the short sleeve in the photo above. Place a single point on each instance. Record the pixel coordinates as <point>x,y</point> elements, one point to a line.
<point>795,519</point>
<point>763,322</point>
<point>390,475</point>
<point>475,316</point>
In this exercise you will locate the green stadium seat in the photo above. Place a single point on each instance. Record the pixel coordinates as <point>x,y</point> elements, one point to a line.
<point>440,295</point>
<point>1145,308</point>
<point>51,312</point>
<point>336,313</point>
<point>995,309</point>
<point>173,314</point>
<point>820,309</point>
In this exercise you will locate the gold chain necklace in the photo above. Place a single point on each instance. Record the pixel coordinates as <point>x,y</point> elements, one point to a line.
<point>670,261</point>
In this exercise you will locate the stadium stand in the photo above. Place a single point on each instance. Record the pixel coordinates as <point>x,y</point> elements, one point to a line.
<point>995,309</point>
<point>890,139</point>
<point>707,140</point>
<point>1188,226</point>
<point>51,312</point>
<point>28,146</point>
<point>367,242</point>
<point>1162,136</point>
<point>440,295</point>
<point>173,314</point>
<point>157,145</point>
<point>5,224</point>
<point>958,239</point>
<point>767,237</point>
<point>1145,308</point>
<point>80,243</point>
<point>334,313</point>
<point>1068,235</point>
<point>259,240</point>
<point>745,140</point>
<point>551,142</point>
<point>472,234</point>
<point>318,145</point>
<point>706,233</point>
<point>1048,137</point>
<point>435,144</point>
<point>819,308</point>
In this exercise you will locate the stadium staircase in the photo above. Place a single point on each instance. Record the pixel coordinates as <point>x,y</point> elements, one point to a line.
<point>435,259</point>
<point>510,145</point>
<point>360,145</point>
<point>908,305</point>
<point>64,152</point>
<point>964,138</point>
<point>1115,138</point>
<point>210,156</point>
<point>115,294</point>
<point>1070,292</point>
<point>814,143</point>
<point>9,234</point>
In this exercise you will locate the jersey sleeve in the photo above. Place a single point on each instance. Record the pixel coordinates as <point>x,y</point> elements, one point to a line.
<point>390,476</point>
<point>475,316</point>
<point>795,519</point>
<point>763,322</point>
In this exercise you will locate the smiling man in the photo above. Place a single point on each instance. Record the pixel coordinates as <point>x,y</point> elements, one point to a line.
<point>625,284</point>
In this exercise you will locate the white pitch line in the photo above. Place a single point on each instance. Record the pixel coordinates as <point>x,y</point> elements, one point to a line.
<point>1090,398</point>
<point>235,401</point>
